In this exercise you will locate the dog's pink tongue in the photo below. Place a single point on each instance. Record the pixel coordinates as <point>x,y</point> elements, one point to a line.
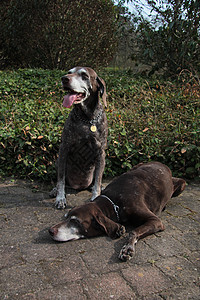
<point>69,100</point>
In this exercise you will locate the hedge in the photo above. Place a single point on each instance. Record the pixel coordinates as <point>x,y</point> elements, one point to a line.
<point>149,119</point>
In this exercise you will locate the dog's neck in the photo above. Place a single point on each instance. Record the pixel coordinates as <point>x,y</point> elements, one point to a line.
<point>90,107</point>
<point>108,207</point>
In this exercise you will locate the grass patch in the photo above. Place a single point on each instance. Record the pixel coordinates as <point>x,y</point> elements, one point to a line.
<point>148,120</point>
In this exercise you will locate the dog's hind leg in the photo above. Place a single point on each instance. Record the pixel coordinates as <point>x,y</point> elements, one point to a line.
<point>152,225</point>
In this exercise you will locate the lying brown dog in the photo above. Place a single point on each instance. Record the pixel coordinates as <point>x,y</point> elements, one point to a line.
<point>136,197</point>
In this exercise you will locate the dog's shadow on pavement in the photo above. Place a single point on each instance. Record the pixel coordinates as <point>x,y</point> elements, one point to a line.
<point>118,244</point>
<point>43,237</point>
<point>117,248</point>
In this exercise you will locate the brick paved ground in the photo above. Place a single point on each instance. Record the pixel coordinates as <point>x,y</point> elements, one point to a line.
<point>32,266</point>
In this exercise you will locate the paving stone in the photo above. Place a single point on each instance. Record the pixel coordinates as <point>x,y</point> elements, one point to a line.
<point>74,247</point>
<point>177,211</point>
<point>195,259</point>
<point>182,271</point>
<point>62,292</point>
<point>21,216</point>
<point>64,269</point>
<point>152,297</point>
<point>146,279</point>
<point>144,254</point>
<point>35,252</point>
<point>180,293</point>
<point>20,279</point>
<point>108,286</point>
<point>101,260</point>
<point>184,224</point>
<point>15,235</point>
<point>190,240</point>
<point>10,256</point>
<point>166,245</point>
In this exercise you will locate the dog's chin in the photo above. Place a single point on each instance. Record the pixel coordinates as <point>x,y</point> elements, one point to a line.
<point>80,101</point>
<point>67,239</point>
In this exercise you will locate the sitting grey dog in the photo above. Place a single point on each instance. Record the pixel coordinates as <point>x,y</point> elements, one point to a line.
<point>84,138</point>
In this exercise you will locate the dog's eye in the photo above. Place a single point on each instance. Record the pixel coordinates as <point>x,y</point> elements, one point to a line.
<point>74,219</point>
<point>84,75</point>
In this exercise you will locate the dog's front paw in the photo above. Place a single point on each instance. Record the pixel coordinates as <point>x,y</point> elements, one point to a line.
<point>60,203</point>
<point>94,195</point>
<point>121,231</point>
<point>127,252</point>
<point>92,198</point>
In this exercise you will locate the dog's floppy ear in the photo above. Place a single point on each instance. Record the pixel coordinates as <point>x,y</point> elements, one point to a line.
<point>102,89</point>
<point>179,186</point>
<point>107,225</point>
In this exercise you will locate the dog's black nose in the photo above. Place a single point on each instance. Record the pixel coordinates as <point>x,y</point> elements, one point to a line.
<point>52,231</point>
<point>65,79</point>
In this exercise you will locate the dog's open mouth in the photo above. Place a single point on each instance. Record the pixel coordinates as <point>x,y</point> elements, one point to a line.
<point>73,98</point>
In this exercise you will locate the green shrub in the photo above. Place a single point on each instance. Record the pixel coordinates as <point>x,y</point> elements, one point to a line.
<point>148,120</point>
<point>32,117</point>
<point>152,120</point>
<point>55,34</point>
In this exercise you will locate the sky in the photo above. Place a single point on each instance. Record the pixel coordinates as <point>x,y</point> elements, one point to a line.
<point>132,8</point>
<point>143,3</point>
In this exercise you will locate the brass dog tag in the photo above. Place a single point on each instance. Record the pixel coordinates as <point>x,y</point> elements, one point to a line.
<point>93,128</point>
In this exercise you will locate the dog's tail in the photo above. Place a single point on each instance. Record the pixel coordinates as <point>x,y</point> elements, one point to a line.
<point>179,186</point>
